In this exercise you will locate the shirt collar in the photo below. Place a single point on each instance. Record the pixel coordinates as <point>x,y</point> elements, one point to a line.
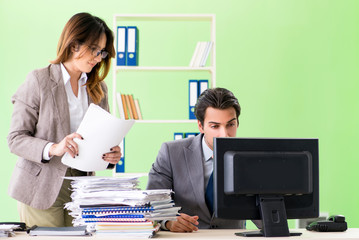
<point>66,76</point>
<point>207,152</point>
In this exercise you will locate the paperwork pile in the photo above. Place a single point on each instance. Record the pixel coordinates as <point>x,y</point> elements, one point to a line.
<point>7,230</point>
<point>115,206</point>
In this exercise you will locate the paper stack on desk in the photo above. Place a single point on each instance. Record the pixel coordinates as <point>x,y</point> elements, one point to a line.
<point>115,206</point>
<point>7,230</point>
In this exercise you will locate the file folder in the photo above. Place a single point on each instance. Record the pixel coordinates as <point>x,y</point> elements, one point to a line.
<point>120,166</point>
<point>132,46</point>
<point>192,99</point>
<point>202,86</point>
<point>177,135</point>
<point>121,45</point>
<point>190,134</point>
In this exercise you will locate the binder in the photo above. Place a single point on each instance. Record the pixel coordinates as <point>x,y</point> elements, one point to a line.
<point>121,45</point>
<point>132,46</point>
<point>116,209</point>
<point>202,86</point>
<point>120,106</point>
<point>192,97</point>
<point>190,134</point>
<point>120,166</point>
<point>177,135</point>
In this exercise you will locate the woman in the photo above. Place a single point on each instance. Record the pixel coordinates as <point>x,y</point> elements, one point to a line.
<point>48,108</point>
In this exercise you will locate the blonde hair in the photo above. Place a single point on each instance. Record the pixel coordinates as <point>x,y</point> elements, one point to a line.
<point>83,28</point>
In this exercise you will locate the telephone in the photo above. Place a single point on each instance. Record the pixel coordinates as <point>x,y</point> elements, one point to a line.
<point>334,223</point>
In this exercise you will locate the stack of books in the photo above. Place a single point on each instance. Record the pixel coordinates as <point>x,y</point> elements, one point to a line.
<point>128,107</point>
<point>201,53</point>
<point>115,206</point>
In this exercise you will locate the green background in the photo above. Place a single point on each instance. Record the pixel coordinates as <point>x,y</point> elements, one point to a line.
<point>293,64</point>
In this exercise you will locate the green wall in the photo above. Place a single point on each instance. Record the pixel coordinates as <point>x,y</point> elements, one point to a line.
<point>291,63</point>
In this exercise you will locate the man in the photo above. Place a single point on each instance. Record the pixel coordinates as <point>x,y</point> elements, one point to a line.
<point>185,165</point>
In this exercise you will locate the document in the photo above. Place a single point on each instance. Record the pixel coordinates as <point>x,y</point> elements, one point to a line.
<point>100,131</point>
<point>58,231</point>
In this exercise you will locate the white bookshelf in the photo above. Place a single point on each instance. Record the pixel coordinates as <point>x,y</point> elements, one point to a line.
<point>117,18</point>
<point>153,19</point>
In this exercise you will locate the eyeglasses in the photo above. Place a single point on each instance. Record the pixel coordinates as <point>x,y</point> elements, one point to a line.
<point>95,52</point>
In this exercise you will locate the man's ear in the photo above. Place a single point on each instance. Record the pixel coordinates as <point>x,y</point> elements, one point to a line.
<point>200,127</point>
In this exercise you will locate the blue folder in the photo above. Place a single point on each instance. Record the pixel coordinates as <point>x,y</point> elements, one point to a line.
<point>132,46</point>
<point>120,166</point>
<point>121,45</point>
<point>202,86</point>
<point>192,97</point>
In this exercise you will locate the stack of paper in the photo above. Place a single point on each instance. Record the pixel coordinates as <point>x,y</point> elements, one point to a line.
<point>115,205</point>
<point>7,230</point>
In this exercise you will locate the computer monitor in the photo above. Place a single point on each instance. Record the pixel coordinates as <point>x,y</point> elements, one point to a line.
<point>270,179</point>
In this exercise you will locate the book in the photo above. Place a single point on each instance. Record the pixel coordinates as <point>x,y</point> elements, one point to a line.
<point>123,98</point>
<point>128,105</point>
<point>205,54</point>
<point>58,231</point>
<point>120,106</point>
<point>191,64</point>
<point>133,107</point>
<point>138,109</point>
<point>201,54</point>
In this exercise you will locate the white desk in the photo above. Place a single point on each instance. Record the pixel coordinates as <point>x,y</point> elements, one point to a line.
<point>217,234</point>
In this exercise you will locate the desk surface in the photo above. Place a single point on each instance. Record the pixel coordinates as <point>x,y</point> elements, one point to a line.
<point>351,234</point>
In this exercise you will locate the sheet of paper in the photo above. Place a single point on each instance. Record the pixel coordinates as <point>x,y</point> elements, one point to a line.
<point>101,131</point>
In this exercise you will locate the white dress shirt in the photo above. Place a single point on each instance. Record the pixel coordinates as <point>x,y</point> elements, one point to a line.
<point>77,105</point>
<point>207,162</point>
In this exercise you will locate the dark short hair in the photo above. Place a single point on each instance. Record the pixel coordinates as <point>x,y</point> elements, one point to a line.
<point>219,98</point>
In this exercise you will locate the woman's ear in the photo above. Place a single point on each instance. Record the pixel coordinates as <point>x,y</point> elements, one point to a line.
<point>75,47</point>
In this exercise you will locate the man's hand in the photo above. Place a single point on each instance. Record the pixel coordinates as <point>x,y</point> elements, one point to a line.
<point>184,223</point>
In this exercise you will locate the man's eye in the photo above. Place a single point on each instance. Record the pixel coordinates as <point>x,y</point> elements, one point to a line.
<point>214,126</point>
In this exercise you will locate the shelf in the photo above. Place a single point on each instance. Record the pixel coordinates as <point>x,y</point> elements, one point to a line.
<point>166,121</point>
<point>172,68</point>
<point>165,17</point>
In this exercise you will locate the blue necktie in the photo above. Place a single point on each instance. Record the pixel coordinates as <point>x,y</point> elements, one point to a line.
<point>209,194</point>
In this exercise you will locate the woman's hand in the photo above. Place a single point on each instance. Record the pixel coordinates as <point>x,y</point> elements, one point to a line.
<point>66,145</point>
<point>114,156</point>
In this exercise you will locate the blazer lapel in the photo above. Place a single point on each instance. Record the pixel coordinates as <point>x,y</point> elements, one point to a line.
<point>60,98</point>
<point>194,162</point>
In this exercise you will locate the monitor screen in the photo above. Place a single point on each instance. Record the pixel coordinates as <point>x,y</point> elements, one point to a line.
<point>270,179</point>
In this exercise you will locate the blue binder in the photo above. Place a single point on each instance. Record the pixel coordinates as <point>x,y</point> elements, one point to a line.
<point>192,97</point>
<point>202,86</point>
<point>190,134</point>
<point>177,135</point>
<point>121,45</point>
<point>132,46</point>
<point>120,166</point>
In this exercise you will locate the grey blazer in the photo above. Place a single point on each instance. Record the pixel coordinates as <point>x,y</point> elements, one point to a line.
<point>179,166</point>
<point>40,115</point>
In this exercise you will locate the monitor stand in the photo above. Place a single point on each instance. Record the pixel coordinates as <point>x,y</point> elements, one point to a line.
<point>274,218</point>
